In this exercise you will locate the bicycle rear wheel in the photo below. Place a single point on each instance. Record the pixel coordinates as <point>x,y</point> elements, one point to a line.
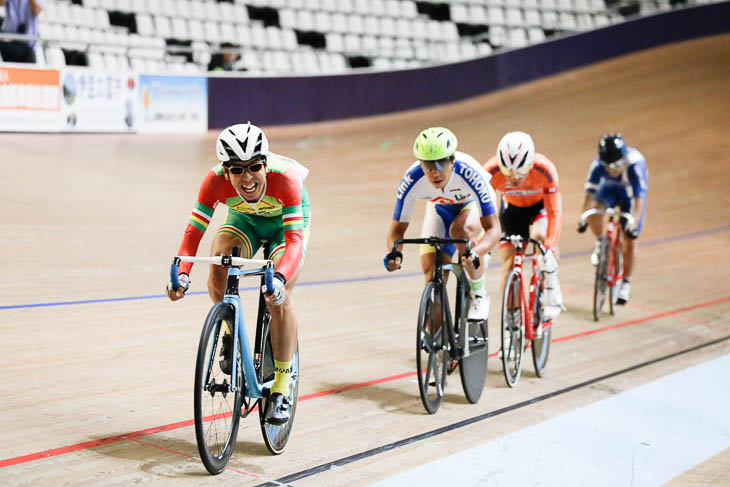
<point>513,330</point>
<point>600,285</point>
<point>276,436</point>
<point>473,367</point>
<point>540,345</point>
<point>431,358</point>
<point>217,407</point>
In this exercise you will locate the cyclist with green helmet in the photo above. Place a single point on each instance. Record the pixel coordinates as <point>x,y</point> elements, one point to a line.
<point>461,204</point>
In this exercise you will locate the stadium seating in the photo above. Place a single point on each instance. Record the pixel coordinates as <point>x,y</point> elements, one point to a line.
<point>309,36</point>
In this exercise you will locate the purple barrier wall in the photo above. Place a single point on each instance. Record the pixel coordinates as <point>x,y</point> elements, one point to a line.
<point>278,101</point>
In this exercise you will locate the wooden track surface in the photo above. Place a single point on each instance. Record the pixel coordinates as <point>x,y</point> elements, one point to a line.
<point>97,217</point>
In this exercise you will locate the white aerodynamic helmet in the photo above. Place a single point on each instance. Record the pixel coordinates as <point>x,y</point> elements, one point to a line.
<point>241,142</point>
<point>516,153</point>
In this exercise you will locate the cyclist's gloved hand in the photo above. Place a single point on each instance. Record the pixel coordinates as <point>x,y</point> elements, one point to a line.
<point>396,258</point>
<point>581,227</point>
<point>548,262</point>
<point>630,228</point>
<point>471,256</point>
<point>178,293</point>
<point>279,292</point>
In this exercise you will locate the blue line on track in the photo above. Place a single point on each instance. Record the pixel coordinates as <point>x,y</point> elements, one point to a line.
<point>568,255</point>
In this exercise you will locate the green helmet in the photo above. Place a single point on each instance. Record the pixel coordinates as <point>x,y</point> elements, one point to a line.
<point>434,143</point>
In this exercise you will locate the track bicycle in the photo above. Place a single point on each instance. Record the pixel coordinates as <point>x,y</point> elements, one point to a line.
<point>443,343</point>
<point>610,268</point>
<point>522,319</point>
<point>222,398</point>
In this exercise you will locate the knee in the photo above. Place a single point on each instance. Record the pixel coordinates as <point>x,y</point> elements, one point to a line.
<point>284,308</point>
<point>469,230</point>
<point>506,267</point>
<point>217,280</point>
<point>629,245</point>
<point>538,235</point>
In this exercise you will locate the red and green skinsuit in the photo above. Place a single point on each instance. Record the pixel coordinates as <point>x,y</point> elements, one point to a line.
<point>285,205</point>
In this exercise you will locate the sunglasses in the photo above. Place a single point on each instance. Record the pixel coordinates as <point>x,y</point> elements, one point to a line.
<point>252,168</point>
<point>616,165</point>
<point>432,166</point>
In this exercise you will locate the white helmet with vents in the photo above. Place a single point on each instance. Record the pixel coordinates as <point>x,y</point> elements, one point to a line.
<point>516,153</point>
<point>241,142</point>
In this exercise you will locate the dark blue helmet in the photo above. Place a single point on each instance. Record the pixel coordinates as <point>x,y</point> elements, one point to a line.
<point>611,148</point>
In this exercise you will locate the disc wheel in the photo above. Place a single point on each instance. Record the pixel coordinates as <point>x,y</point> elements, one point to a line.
<point>473,368</point>
<point>217,407</point>
<point>276,436</point>
<point>431,354</point>
<point>513,330</point>
<point>600,286</point>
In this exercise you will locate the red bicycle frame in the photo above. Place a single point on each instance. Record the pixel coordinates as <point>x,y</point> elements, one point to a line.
<point>614,244</point>
<point>528,309</point>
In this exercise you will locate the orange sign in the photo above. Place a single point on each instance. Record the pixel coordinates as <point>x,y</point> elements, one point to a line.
<point>29,89</point>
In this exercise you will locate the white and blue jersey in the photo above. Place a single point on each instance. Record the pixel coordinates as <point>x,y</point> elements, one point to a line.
<point>468,182</point>
<point>620,191</point>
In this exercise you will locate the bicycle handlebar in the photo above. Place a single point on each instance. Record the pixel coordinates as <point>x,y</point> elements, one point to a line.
<point>226,261</point>
<point>517,240</point>
<point>435,241</point>
<point>173,275</point>
<point>608,211</point>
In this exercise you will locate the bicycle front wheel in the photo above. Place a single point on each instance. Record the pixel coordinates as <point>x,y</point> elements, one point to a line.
<point>217,406</point>
<point>541,344</point>
<point>431,350</point>
<point>600,286</point>
<point>617,270</point>
<point>276,436</point>
<point>513,330</point>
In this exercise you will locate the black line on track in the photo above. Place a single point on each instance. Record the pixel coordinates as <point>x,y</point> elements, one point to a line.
<point>445,429</point>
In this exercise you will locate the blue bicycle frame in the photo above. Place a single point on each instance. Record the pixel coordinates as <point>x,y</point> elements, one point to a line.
<point>253,388</point>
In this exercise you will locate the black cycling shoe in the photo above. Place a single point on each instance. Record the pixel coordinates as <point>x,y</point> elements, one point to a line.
<point>226,354</point>
<point>278,409</point>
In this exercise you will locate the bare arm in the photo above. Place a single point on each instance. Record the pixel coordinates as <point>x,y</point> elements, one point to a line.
<point>492,232</point>
<point>35,7</point>
<point>638,209</point>
<point>397,231</point>
<point>587,202</point>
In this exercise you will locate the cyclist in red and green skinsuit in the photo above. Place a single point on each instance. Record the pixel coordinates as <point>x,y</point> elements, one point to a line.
<point>266,201</point>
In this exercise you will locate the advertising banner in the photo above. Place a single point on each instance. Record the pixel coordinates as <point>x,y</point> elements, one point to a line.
<point>93,101</point>
<point>29,100</point>
<point>172,104</point>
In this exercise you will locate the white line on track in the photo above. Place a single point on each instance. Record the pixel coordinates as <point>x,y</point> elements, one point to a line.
<point>642,437</point>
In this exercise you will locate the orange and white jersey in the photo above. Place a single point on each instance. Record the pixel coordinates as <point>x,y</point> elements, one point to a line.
<point>541,184</point>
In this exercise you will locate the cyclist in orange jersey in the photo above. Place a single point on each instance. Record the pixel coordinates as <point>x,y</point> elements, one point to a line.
<point>531,202</point>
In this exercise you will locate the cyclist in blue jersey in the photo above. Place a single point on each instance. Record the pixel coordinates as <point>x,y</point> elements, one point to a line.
<point>461,204</point>
<point>618,177</point>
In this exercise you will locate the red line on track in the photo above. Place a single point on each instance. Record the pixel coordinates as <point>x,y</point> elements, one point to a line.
<point>648,309</point>
<point>147,443</point>
<point>182,424</point>
<point>644,320</point>
<point>357,386</point>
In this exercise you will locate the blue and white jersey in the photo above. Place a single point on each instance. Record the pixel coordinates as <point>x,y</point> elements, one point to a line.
<point>469,181</point>
<point>634,180</point>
